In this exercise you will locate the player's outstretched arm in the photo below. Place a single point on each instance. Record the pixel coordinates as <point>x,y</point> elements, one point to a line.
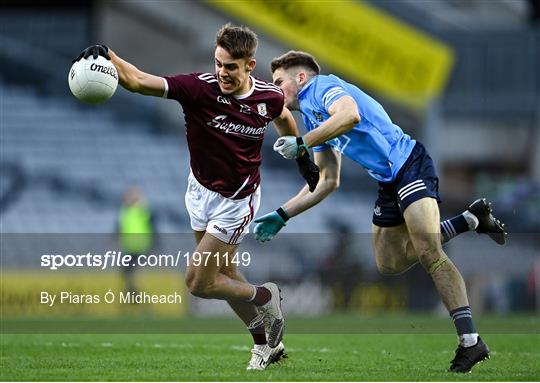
<point>329,162</point>
<point>135,80</point>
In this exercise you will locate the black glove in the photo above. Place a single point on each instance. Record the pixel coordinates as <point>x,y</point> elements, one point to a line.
<point>309,170</point>
<point>94,51</point>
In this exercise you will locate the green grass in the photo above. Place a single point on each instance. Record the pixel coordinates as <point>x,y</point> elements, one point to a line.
<point>218,357</point>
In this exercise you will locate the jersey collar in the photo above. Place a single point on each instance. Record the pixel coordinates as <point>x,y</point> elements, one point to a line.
<point>303,91</point>
<point>246,95</point>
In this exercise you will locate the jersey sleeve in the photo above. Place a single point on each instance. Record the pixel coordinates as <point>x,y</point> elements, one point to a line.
<point>272,96</point>
<point>184,88</point>
<point>328,90</point>
<point>277,105</point>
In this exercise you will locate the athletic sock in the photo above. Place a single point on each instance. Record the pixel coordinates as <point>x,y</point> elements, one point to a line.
<point>258,334</point>
<point>256,328</point>
<point>471,219</point>
<point>468,340</point>
<point>454,226</point>
<point>261,296</point>
<point>258,338</point>
<point>465,329</point>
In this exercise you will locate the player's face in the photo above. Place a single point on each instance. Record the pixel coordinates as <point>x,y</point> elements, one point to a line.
<point>288,84</point>
<point>232,75</point>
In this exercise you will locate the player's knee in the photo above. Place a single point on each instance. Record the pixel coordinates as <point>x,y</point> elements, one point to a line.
<point>437,264</point>
<point>199,287</point>
<point>427,255</point>
<point>386,269</point>
<point>390,263</point>
<point>383,266</point>
<point>390,268</point>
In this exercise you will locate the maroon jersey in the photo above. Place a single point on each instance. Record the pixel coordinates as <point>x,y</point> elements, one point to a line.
<point>224,132</point>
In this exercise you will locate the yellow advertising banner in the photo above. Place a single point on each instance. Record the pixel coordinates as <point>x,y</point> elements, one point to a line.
<point>362,43</point>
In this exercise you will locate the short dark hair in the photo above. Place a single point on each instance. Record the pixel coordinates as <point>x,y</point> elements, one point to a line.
<point>295,59</point>
<point>240,42</point>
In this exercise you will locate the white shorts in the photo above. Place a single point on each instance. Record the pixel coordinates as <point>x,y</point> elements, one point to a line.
<point>226,219</point>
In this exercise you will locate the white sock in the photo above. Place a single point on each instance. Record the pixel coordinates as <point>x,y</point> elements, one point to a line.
<point>471,219</point>
<point>468,340</point>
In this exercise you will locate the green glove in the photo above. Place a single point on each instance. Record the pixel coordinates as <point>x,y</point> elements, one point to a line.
<point>270,224</point>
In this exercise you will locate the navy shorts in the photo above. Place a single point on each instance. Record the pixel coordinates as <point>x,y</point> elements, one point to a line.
<point>415,180</point>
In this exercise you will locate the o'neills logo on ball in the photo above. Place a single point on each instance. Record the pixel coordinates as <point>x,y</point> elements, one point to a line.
<point>110,70</point>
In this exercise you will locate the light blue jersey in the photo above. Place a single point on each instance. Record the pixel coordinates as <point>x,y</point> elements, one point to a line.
<point>375,142</point>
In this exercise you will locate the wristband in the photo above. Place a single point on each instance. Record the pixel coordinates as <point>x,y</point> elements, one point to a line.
<point>283,214</point>
<point>301,144</point>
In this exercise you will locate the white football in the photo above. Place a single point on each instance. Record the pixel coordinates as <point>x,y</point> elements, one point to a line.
<point>93,81</point>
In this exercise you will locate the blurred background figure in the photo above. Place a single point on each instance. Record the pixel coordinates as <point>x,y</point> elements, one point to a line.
<point>135,231</point>
<point>341,270</point>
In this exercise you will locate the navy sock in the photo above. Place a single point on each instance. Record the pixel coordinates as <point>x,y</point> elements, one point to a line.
<point>454,226</point>
<point>462,318</point>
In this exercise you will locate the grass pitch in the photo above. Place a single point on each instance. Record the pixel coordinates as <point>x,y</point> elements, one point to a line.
<point>219,357</point>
